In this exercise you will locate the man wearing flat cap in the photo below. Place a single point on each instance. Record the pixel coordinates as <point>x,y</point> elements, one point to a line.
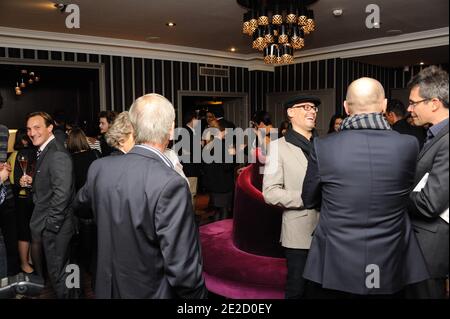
<point>361,177</point>
<point>284,172</point>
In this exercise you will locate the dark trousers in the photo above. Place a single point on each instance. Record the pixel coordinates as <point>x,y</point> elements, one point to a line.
<point>434,288</point>
<point>55,248</point>
<point>3,264</point>
<point>8,224</point>
<point>295,283</point>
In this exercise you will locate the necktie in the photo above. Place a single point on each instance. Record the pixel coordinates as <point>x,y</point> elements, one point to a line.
<point>38,153</point>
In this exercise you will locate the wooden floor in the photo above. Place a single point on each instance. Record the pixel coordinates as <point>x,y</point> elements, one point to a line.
<point>202,216</point>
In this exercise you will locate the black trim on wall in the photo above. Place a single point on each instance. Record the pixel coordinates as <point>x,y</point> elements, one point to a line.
<point>158,77</point>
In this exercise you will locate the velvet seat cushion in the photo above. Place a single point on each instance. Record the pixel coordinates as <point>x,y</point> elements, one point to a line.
<point>233,273</point>
<point>257,225</point>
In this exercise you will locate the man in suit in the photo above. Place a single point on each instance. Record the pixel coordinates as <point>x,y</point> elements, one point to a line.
<point>428,104</point>
<point>148,243</point>
<point>284,172</point>
<point>361,178</point>
<point>51,224</point>
<point>396,115</point>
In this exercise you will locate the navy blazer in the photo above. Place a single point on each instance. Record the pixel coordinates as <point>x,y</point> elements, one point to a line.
<point>362,179</point>
<point>148,242</point>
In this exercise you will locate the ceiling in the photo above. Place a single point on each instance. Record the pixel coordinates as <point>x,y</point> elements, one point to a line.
<point>216,24</point>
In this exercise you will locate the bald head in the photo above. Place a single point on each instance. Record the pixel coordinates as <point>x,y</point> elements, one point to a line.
<point>365,95</point>
<point>152,116</point>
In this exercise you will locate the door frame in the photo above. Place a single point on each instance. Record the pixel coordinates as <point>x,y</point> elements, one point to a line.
<point>181,94</point>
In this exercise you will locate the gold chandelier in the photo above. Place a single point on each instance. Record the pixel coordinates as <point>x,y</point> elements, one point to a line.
<point>278,27</point>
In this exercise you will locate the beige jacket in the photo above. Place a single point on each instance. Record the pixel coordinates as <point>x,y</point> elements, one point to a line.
<point>282,186</point>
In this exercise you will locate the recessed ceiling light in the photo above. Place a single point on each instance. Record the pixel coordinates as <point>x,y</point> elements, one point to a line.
<point>60,6</point>
<point>171,24</point>
<point>338,12</point>
<point>233,49</point>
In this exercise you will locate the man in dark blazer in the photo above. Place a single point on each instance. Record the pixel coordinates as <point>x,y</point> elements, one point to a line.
<point>148,243</point>
<point>428,104</point>
<point>361,177</point>
<point>396,115</point>
<point>51,224</point>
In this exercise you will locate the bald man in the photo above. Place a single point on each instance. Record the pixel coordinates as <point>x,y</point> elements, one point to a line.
<point>361,179</point>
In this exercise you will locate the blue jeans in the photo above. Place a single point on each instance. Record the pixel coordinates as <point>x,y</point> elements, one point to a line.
<point>3,266</point>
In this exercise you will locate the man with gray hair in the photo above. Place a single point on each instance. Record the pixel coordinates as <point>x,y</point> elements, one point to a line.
<point>361,178</point>
<point>428,205</point>
<point>148,242</point>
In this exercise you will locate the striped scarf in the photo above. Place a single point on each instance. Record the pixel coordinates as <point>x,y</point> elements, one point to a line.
<point>368,121</point>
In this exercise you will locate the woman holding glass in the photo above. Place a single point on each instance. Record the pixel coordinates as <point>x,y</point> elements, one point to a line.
<point>22,162</point>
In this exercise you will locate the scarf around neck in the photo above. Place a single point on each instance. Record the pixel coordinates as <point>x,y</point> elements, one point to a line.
<point>298,140</point>
<point>366,121</point>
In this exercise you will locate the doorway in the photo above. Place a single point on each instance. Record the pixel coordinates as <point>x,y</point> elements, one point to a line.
<point>235,105</point>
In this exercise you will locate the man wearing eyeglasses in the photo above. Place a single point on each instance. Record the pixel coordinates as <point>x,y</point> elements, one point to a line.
<point>361,178</point>
<point>284,172</point>
<point>428,206</point>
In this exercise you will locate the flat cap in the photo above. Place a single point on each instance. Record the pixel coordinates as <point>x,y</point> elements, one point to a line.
<point>302,99</point>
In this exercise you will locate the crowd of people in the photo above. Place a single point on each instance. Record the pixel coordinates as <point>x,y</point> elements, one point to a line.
<point>365,208</point>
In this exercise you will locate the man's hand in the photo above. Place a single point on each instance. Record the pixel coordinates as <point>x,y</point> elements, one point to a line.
<point>5,166</point>
<point>25,181</point>
<point>4,172</point>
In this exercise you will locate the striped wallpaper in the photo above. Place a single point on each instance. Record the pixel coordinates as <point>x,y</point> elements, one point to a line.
<point>128,77</point>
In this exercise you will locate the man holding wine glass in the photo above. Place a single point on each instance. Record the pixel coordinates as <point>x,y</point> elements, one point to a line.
<point>52,183</point>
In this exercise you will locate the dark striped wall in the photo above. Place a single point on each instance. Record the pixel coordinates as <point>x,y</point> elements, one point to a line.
<point>327,74</point>
<point>127,78</point>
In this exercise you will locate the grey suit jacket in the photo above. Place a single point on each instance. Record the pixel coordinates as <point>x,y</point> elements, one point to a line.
<point>53,189</point>
<point>362,179</point>
<point>282,186</point>
<point>426,205</point>
<point>148,242</point>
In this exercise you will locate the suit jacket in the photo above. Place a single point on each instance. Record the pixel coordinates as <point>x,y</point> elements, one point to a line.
<point>426,205</point>
<point>148,242</point>
<point>190,168</point>
<point>403,127</point>
<point>53,189</point>
<point>282,186</point>
<point>362,179</point>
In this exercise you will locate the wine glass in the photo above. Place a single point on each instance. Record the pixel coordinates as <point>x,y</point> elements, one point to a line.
<point>23,161</point>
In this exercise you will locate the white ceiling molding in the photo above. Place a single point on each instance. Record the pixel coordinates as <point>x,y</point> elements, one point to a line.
<point>405,42</point>
<point>41,40</point>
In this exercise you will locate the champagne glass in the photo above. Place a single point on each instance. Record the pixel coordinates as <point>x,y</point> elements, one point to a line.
<point>23,161</point>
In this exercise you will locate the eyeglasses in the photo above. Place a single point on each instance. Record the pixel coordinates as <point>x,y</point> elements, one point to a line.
<point>306,107</point>
<point>415,103</point>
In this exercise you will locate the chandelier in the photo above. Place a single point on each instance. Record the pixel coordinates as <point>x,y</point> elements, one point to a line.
<point>278,27</point>
<point>26,79</point>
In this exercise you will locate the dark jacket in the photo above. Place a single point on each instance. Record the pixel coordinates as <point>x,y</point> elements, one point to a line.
<point>403,127</point>
<point>53,189</point>
<point>426,205</point>
<point>362,180</point>
<point>147,237</point>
